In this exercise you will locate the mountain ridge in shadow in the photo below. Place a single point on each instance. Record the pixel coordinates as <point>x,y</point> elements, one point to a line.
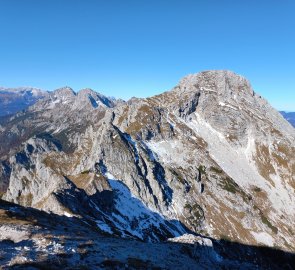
<point>78,250</point>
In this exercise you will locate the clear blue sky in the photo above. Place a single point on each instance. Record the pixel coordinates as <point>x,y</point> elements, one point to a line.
<point>140,48</point>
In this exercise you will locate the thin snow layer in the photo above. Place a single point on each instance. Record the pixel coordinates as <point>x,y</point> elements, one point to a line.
<point>14,234</point>
<point>235,161</point>
<point>263,238</point>
<point>228,105</point>
<point>132,216</point>
<point>192,239</point>
<point>67,214</point>
<point>198,241</point>
<point>104,227</point>
<point>169,152</point>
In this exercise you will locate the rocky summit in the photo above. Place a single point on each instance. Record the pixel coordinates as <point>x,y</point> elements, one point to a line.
<point>199,177</point>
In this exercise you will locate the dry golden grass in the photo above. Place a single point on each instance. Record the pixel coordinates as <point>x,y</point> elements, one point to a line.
<point>41,204</point>
<point>7,217</point>
<point>145,117</point>
<point>227,223</point>
<point>124,115</point>
<point>25,199</point>
<point>82,180</point>
<point>263,162</point>
<point>232,137</point>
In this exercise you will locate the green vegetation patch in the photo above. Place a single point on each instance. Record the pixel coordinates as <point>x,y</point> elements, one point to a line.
<point>85,172</point>
<point>257,189</point>
<point>216,170</point>
<point>202,169</point>
<point>267,223</point>
<point>230,185</point>
<point>195,210</point>
<point>178,176</point>
<point>225,238</point>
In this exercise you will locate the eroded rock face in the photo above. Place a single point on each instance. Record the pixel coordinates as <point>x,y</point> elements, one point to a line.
<point>209,157</point>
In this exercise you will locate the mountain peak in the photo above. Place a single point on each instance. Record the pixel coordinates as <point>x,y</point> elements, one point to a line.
<point>65,91</point>
<point>88,92</point>
<point>218,81</point>
<point>95,98</point>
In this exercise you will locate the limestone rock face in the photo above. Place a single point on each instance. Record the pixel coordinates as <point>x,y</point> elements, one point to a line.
<point>210,157</point>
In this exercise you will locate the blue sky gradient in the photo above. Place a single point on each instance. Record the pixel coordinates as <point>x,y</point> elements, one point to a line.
<point>141,48</point>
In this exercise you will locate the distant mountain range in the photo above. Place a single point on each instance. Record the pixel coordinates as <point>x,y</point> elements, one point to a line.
<point>289,116</point>
<point>13,100</point>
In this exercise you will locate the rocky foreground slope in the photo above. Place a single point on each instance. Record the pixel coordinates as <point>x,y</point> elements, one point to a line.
<point>32,239</point>
<point>209,158</point>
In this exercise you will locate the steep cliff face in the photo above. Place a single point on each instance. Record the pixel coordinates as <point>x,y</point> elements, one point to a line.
<point>231,156</point>
<point>209,157</point>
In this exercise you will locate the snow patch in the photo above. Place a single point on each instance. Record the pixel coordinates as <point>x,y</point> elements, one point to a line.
<point>171,151</point>
<point>227,105</point>
<point>67,214</point>
<point>104,227</point>
<point>134,217</point>
<point>263,238</point>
